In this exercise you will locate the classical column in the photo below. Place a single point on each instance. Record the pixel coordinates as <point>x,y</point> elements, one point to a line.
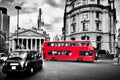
<point>26,44</point>
<point>22,45</point>
<point>18,42</point>
<point>22,41</point>
<point>31,44</point>
<point>35,44</point>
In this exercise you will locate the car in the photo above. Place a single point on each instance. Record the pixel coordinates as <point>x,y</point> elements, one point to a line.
<point>23,61</point>
<point>3,57</point>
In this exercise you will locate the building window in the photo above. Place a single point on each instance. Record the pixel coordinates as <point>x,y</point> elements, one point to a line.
<point>98,28</point>
<point>98,39</point>
<point>85,2</point>
<point>73,19</point>
<point>73,27</point>
<point>78,2</point>
<point>85,15</point>
<point>97,14</point>
<point>72,38</point>
<point>98,1</point>
<point>85,26</point>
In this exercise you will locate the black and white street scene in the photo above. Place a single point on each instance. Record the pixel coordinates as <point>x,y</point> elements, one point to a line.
<point>59,39</point>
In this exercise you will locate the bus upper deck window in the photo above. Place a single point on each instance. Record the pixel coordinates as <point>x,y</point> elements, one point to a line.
<point>79,44</point>
<point>87,43</point>
<point>83,44</point>
<point>49,44</point>
<point>52,44</point>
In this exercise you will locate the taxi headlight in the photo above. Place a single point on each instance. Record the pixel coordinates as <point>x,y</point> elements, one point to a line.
<point>26,64</point>
<point>22,63</point>
<point>4,64</point>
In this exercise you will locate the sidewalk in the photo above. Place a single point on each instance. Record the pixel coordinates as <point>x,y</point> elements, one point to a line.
<point>116,62</point>
<point>109,61</point>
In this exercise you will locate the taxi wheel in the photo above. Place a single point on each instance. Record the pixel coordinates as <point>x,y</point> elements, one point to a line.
<point>41,66</point>
<point>8,74</point>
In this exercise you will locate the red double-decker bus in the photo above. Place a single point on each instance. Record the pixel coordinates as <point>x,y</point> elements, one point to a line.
<point>81,50</point>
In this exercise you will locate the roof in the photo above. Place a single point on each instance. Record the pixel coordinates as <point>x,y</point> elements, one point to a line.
<point>30,33</point>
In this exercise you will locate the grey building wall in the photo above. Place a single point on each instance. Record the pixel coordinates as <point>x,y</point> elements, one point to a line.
<point>93,20</point>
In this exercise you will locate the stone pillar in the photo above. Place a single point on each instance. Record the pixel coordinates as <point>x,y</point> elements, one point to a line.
<point>31,44</point>
<point>35,44</point>
<point>18,43</point>
<point>22,45</point>
<point>22,41</point>
<point>26,44</point>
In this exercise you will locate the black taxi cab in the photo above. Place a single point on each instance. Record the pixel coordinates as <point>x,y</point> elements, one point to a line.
<point>22,61</point>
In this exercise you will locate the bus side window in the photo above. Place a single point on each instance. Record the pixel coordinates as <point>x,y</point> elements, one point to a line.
<point>57,44</point>
<point>52,44</point>
<point>49,44</point>
<point>73,44</point>
<point>79,44</point>
<point>68,53</point>
<point>68,44</point>
<point>49,53</point>
<point>87,44</point>
<point>82,43</point>
<point>76,44</point>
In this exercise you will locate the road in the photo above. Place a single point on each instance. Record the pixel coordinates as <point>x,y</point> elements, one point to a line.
<point>64,70</point>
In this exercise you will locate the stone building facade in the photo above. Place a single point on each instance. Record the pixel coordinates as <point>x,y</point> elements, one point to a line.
<point>28,39</point>
<point>91,20</point>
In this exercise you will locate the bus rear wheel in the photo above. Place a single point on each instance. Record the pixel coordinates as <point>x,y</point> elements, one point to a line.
<point>79,60</point>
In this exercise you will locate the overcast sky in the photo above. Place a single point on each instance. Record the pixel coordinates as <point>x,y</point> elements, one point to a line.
<point>52,14</point>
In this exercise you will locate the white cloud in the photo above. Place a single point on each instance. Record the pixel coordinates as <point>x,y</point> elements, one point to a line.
<point>58,1</point>
<point>49,14</point>
<point>25,21</point>
<point>33,3</point>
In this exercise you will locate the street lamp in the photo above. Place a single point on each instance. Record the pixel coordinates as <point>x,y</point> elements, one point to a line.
<point>18,8</point>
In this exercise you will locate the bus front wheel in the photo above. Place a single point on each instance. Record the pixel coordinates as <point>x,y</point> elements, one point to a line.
<point>53,59</point>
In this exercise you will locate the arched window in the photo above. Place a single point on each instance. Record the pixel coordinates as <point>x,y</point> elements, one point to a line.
<point>72,38</point>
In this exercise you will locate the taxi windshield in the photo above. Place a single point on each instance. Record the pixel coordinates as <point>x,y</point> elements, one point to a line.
<point>21,54</point>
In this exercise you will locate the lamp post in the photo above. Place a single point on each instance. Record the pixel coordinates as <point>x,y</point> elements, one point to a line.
<point>18,8</point>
